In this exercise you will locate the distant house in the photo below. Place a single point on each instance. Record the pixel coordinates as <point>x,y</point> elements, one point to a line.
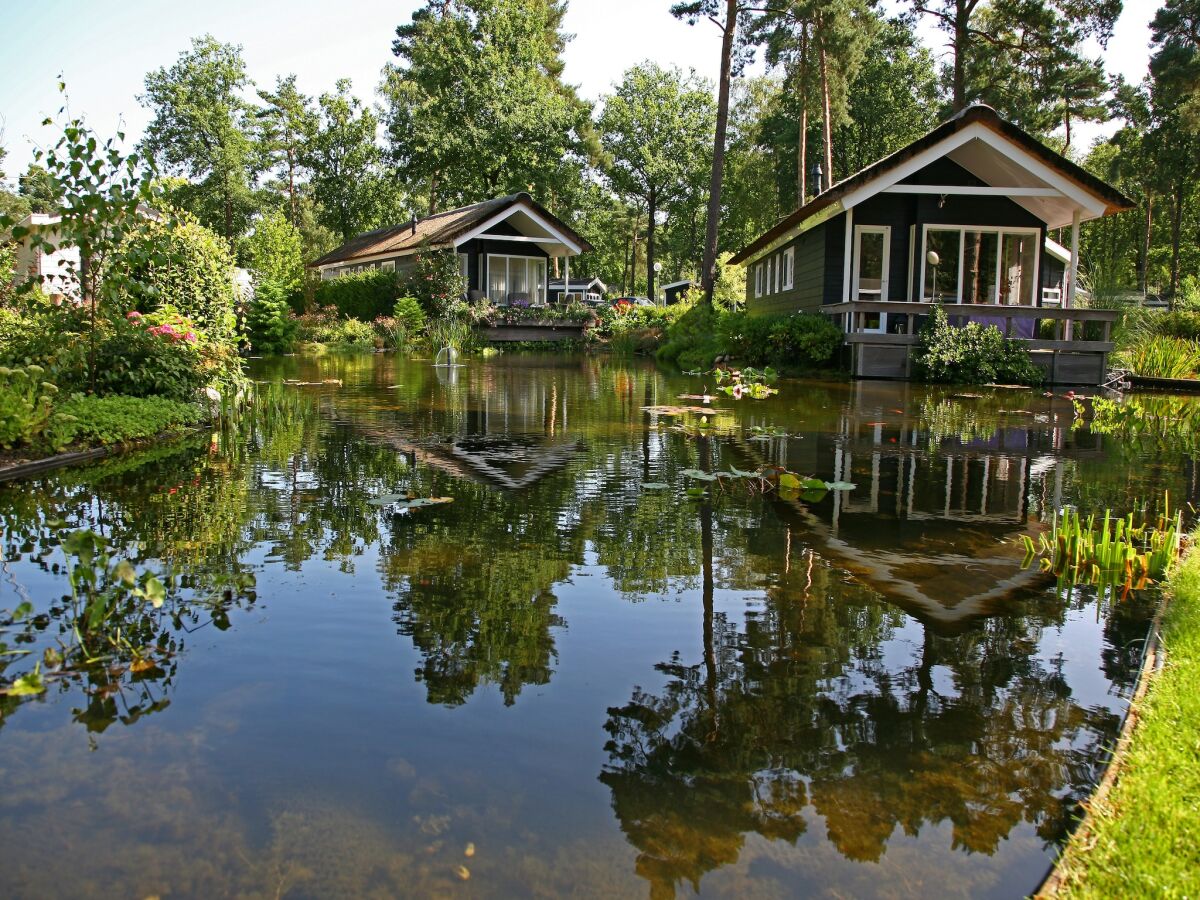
<point>503,248</point>
<point>577,290</point>
<point>960,216</point>
<point>55,270</point>
<point>675,291</point>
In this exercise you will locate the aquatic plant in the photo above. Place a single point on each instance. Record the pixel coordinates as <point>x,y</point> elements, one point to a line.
<point>746,382</point>
<point>1110,554</point>
<point>1164,357</point>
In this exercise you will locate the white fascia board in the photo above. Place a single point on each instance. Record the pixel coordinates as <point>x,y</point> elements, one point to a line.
<point>374,257</point>
<point>971,191</point>
<point>554,233</point>
<point>1086,201</point>
<point>820,217</point>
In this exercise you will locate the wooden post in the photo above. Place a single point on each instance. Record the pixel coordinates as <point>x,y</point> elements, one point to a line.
<point>1069,302</point>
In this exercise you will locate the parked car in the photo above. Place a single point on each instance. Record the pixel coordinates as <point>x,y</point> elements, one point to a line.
<point>626,302</point>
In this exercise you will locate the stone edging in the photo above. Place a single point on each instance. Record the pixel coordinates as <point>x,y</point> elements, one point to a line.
<point>1152,662</point>
<point>59,460</point>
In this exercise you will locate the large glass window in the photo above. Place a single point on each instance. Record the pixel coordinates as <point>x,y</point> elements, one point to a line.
<point>941,265</point>
<point>509,275</point>
<point>1018,263</point>
<point>980,266</point>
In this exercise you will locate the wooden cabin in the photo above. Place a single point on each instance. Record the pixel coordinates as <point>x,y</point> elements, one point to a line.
<point>676,290</point>
<point>504,248</point>
<point>578,290</point>
<point>959,217</point>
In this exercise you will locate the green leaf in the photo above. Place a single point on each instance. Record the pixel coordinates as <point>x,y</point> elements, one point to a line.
<point>840,485</point>
<point>788,481</point>
<point>697,475</point>
<point>28,685</point>
<point>22,611</point>
<point>155,592</point>
<point>654,485</point>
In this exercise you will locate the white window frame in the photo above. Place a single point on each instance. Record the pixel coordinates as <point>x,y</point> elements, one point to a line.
<point>1000,232</point>
<point>509,256</point>
<point>789,268</point>
<point>758,278</point>
<point>388,265</point>
<point>885,279</point>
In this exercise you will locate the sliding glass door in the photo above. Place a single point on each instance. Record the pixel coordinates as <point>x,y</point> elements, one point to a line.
<point>978,265</point>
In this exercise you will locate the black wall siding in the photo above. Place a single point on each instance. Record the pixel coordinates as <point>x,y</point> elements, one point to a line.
<point>807,278</point>
<point>835,257</point>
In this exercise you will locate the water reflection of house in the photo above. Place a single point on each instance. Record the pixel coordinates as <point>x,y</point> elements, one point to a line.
<point>939,506</point>
<point>506,432</point>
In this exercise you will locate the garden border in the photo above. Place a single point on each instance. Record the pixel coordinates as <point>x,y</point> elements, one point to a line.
<point>59,460</point>
<point>1153,660</point>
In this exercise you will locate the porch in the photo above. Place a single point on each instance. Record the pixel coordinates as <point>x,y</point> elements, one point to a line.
<point>1076,352</point>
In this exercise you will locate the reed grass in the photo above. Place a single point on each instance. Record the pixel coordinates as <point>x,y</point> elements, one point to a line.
<point>1164,357</point>
<point>1115,554</point>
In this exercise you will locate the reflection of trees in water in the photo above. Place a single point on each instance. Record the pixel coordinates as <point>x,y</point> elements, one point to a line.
<point>794,714</point>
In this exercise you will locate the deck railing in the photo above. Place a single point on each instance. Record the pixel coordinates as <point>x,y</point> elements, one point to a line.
<point>1066,322</point>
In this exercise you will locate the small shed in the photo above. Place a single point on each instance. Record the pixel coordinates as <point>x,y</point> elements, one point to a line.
<point>676,290</point>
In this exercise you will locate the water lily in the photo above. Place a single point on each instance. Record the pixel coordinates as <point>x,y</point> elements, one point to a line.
<point>737,392</point>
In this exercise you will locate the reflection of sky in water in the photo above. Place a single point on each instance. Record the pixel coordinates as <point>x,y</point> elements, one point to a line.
<point>404,686</point>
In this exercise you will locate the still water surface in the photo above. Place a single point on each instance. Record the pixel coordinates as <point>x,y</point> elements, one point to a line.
<point>564,684</point>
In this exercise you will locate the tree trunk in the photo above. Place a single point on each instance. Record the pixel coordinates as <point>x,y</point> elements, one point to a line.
<point>1176,237</point>
<point>433,191</point>
<point>1067,123</point>
<point>650,273</point>
<point>1143,258</point>
<point>826,124</point>
<point>802,148</point>
<point>962,46</point>
<point>709,276</point>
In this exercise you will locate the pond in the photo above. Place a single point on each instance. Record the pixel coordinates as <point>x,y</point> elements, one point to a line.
<point>568,680</point>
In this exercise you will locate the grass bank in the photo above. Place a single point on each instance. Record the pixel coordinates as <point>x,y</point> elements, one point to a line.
<point>1142,837</point>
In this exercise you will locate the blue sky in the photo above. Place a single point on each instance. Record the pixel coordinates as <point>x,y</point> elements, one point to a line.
<point>104,49</point>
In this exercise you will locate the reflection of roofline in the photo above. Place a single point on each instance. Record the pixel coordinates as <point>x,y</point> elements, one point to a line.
<point>877,569</point>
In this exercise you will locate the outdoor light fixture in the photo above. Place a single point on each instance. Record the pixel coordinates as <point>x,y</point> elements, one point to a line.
<point>934,260</point>
<point>818,175</point>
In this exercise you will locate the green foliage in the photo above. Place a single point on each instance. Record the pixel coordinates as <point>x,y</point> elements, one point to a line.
<point>972,354</point>
<point>98,421</point>
<point>201,129</point>
<point>352,189</point>
<point>692,341</point>
<point>362,295</point>
<point>270,323</point>
<point>40,189</point>
<point>802,340</point>
<point>183,266</point>
<point>275,253</point>
<point>26,405</point>
<point>1163,357</point>
<point>477,107</point>
<point>656,128</point>
<point>405,327</point>
<point>410,315</point>
<point>456,332</point>
<point>325,326</point>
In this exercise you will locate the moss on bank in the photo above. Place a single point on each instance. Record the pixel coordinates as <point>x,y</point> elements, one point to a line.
<point>1143,838</point>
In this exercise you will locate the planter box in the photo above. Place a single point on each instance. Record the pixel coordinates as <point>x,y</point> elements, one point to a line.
<point>531,331</point>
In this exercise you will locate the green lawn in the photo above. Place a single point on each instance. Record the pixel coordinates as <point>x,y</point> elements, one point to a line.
<point>1144,839</point>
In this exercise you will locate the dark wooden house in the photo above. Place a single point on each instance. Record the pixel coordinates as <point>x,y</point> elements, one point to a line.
<point>504,248</point>
<point>675,291</point>
<point>959,217</point>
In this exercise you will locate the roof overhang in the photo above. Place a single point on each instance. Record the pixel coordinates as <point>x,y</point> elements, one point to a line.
<point>1009,163</point>
<point>533,228</point>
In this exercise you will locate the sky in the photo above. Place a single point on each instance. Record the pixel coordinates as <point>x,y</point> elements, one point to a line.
<point>104,48</point>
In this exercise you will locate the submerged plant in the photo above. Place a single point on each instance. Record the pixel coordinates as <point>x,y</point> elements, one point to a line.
<point>1110,554</point>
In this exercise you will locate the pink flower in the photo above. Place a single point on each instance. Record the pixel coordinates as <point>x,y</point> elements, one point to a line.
<point>737,392</point>
<point>133,316</point>
<point>190,337</point>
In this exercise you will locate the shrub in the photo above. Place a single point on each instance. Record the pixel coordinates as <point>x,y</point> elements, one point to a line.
<point>410,315</point>
<point>270,324</point>
<point>806,340</point>
<point>435,281</point>
<point>692,341</point>
<point>26,404</point>
<point>354,334</point>
<point>185,267</point>
<point>113,420</point>
<point>970,355</point>
<point>1164,357</point>
<point>364,295</point>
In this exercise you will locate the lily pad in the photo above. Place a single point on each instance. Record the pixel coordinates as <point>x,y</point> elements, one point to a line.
<point>840,485</point>
<point>388,499</point>
<point>697,475</point>
<point>654,486</point>
<point>788,482</point>
<point>813,496</point>
<point>400,502</point>
<point>738,473</point>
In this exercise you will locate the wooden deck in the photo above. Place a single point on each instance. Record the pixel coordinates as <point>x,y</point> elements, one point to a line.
<point>1066,359</point>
